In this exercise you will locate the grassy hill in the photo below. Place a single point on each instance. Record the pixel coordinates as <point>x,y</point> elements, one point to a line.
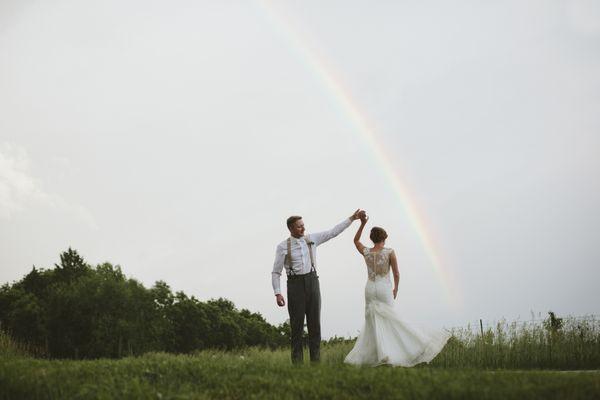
<point>555,359</point>
<point>264,374</point>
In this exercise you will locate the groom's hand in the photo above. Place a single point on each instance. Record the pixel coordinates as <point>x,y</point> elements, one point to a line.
<point>355,216</point>
<point>280,300</point>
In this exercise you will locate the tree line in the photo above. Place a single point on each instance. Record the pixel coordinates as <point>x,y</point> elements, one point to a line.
<point>75,310</point>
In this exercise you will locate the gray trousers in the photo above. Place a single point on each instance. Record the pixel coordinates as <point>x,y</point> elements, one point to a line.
<point>304,298</point>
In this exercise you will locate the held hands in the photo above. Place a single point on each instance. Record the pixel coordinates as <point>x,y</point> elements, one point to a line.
<point>359,214</point>
<point>363,217</point>
<point>280,300</point>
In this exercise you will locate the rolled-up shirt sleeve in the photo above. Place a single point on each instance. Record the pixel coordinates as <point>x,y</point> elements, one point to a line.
<point>322,237</point>
<point>277,268</point>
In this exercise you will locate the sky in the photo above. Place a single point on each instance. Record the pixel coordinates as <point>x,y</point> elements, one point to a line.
<point>175,138</point>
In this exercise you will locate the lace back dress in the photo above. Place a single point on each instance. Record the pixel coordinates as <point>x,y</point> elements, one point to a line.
<point>385,338</point>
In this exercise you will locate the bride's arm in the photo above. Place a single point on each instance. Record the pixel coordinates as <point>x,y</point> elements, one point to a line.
<point>394,264</point>
<point>359,246</point>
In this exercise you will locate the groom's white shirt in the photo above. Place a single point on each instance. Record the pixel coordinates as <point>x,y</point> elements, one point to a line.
<point>300,257</point>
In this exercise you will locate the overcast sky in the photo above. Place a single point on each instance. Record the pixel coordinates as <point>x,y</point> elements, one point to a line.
<point>175,138</point>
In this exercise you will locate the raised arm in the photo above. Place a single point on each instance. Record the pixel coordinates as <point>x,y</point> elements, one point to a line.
<point>394,264</point>
<point>363,221</point>
<point>321,237</point>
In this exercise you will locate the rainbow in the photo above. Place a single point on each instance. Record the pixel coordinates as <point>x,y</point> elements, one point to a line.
<point>325,72</point>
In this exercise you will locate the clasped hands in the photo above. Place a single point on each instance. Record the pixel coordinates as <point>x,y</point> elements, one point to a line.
<point>360,214</point>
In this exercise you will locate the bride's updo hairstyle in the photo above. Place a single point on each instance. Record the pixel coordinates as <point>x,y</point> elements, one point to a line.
<point>378,234</point>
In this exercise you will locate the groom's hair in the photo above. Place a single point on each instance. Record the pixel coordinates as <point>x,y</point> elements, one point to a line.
<point>378,234</point>
<point>292,220</point>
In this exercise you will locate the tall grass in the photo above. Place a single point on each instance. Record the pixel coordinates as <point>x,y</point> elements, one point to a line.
<point>570,343</point>
<point>9,348</point>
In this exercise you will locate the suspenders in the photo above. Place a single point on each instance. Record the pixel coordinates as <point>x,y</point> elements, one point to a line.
<point>288,257</point>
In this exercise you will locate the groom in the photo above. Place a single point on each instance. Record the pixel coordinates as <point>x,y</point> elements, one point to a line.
<point>298,254</point>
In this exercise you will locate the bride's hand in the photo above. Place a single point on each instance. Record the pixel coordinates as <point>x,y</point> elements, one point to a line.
<point>395,293</point>
<point>363,217</point>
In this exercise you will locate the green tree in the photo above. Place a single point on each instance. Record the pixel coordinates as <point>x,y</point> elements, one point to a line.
<point>78,311</point>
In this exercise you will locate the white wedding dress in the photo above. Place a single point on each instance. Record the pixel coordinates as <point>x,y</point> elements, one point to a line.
<point>385,338</point>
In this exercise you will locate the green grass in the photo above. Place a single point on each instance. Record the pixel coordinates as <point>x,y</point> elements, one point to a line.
<point>574,346</point>
<point>263,374</point>
<point>9,347</point>
<point>511,361</point>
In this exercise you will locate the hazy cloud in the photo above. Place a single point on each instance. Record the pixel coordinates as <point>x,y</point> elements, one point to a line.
<point>21,191</point>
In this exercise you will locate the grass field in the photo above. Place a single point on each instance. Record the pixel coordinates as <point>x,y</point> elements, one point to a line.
<point>268,375</point>
<point>508,362</point>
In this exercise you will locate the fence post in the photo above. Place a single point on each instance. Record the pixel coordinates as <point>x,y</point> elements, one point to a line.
<point>481,327</point>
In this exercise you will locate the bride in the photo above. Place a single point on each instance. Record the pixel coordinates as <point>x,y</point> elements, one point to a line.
<point>385,338</point>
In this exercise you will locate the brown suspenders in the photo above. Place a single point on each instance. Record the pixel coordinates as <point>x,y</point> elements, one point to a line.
<point>288,256</point>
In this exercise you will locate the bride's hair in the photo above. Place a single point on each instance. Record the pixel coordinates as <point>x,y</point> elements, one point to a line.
<point>378,234</point>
